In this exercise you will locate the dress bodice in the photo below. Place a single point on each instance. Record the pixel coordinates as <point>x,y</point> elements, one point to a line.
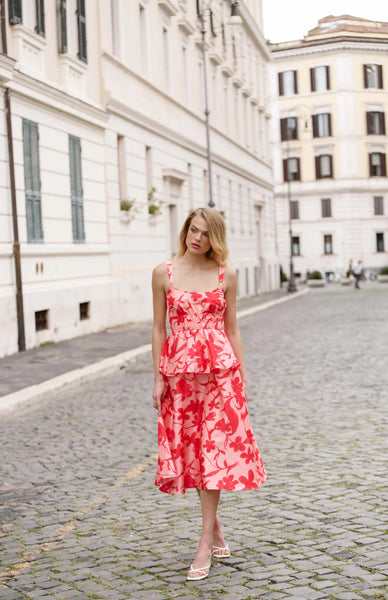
<point>198,343</point>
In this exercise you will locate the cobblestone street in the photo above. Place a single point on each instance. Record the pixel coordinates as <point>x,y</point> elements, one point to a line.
<point>81,518</point>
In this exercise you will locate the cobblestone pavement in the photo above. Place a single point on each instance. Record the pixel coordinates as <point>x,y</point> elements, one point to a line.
<point>82,519</point>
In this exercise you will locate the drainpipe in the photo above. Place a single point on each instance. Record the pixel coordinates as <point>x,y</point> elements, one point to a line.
<point>16,243</point>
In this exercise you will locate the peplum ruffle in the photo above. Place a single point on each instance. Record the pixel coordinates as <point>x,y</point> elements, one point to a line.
<point>197,351</point>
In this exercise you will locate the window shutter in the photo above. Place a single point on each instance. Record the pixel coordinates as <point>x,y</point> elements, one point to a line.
<point>15,11</point>
<point>382,123</point>
<point>365,77</point>
<point>328,77</point>
<point>370,165</point>
<point>82,43</point>
<point>329,122</point>
<point>285,169</point>
<point>63,26</point>
<point>283,129</point>
<point>77,212</point>
<point>295,83</point>
<point>331,165</point>
<point>383,165</point>
<point>315,126</point>
<point>380,76</point>
<point>369,123</point>
<point>280,78</point>
<point>32,181</point>
<point>317,167</point>
<point>298,169</point>
<point>39,11</point>
<point>312,79</point>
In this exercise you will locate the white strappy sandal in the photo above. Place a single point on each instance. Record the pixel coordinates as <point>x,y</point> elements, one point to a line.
<point>225,551</point>
<point>204,572</point>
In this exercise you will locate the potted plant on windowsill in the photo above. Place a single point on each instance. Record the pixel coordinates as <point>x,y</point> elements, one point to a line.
<point>315,279</point>
<point>383,277</point>
<point>154,206</point>
<point>128,209</point>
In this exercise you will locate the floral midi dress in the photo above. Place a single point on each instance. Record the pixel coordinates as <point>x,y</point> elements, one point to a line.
<point>205,439</point>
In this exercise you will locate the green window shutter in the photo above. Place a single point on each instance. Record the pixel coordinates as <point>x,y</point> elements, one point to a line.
<point>39,10</point>
<point>32,181</point>
<point>15,12</point>
<point>63,26</point>
<point>81,19</point>
<point>77,209</point>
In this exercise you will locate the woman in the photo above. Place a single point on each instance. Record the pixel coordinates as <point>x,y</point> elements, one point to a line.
<point>200,389</point>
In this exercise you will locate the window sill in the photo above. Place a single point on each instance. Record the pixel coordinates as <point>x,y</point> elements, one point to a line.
<point>29,49</point>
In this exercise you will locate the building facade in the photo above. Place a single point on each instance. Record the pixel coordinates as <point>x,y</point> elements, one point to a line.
<point>107,114</point>
<point>329,98</point>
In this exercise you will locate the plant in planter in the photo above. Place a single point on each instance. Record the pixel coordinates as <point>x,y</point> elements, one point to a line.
<point>315,279</point>
<point>128,209</point>
<point>154,205</point>
<point>383,277</point>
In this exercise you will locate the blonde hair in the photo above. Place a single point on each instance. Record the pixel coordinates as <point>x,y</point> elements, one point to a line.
<point>216,230</point>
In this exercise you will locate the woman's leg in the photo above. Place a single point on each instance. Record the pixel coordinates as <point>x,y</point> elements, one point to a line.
<point>209,503</point>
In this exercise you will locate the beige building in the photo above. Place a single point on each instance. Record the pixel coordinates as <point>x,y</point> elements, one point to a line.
<point>329,98</point>
<point>109,143</point>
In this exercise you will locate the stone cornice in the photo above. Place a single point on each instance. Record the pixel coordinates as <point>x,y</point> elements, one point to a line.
<point>7,66</point>
<point>55,97</point>
<point>329,47</point>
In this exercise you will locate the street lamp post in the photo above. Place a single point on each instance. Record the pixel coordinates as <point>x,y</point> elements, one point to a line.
<point>291,283</point>
<point>234,20</point>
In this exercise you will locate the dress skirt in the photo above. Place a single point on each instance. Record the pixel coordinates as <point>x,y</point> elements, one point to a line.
<point>205,439</point>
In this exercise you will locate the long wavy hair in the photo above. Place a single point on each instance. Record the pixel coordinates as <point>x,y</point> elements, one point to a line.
<point>216,230</point>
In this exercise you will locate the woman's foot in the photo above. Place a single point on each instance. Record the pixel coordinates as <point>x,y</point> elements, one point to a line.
<point>220,548</point>
<point>202,562</point>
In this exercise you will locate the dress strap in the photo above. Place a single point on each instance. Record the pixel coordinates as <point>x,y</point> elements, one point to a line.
<point>169,271</point>
<point>221,271</point>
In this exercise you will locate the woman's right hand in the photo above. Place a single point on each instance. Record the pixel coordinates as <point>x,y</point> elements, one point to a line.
<point>158,392</point>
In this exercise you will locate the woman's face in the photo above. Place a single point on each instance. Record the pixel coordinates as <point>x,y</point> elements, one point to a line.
<point>197,238</point>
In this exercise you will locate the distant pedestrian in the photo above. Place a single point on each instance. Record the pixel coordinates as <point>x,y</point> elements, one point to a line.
<point>357,272</point>
<point>200,389</point>
<point>281,275</point>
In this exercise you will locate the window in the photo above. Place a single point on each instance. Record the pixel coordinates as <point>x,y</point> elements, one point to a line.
<point>380,242</point>
<point>15,12</point>
<point>115,18</point>
<point>373,76</point>
<point>41,320</point>
<point>77,208</point>
<point>295,246</point>
<point>322,125</point>
<point>63,26</point>
<point>294,209</point>
<point>326,207</point>
<point>377,164</point>
<point>39,11</point>
<point>32,181</point>
<point>375,123</point>
<point>289,128</point>
<point>328,244</point>
<point>81,20</point>
<point>324,166</point>
<point>84,311</point>
<point>291,169</point>
<point>320,79</point>
<point>144,41</point>
<point>378,202</point>
<point>166,56</point>
<point>287,83</point>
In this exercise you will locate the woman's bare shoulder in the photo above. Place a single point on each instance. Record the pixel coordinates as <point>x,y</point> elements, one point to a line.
<point>159,273</point>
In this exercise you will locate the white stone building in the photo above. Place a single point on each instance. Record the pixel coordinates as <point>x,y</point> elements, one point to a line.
<point>107,106</point>
<point>329,101</point>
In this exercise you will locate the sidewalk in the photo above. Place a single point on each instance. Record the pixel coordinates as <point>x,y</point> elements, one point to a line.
<point>105,350</point>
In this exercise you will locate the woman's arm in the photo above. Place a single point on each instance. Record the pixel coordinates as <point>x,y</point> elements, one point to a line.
<point>230,322</point>
<point>158,329</point>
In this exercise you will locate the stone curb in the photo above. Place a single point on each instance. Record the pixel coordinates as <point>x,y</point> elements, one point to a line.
<point>103,367</point>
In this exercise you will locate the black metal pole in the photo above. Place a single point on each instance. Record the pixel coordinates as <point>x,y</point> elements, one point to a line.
<point>207,112</point>
<point>291,282</point>
<point>11,162</point>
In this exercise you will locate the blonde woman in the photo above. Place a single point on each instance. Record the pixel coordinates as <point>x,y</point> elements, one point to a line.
<point>200,389</point>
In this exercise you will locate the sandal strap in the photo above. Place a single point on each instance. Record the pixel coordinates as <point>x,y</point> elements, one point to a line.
<point>200,570</point>
<point>216,548</point>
